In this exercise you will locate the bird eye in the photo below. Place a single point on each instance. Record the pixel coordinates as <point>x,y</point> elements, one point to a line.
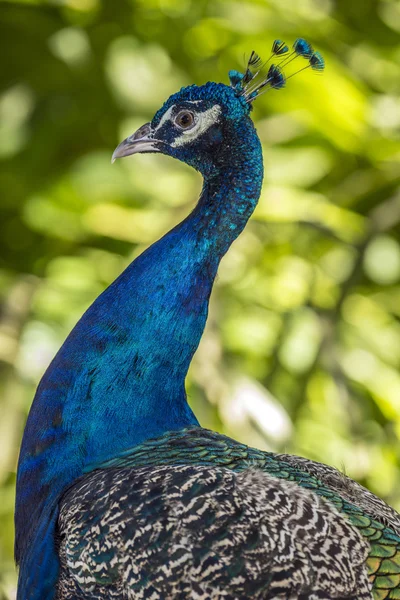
<point>184,119</point>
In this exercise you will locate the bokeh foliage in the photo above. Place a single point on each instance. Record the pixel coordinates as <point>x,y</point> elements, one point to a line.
<point>302,348</point>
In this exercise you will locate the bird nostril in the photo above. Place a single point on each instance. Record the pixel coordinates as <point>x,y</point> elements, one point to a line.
<point>143,131</point>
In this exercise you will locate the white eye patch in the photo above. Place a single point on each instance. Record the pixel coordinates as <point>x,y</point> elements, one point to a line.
<point>167,116</point>
<point>204,120</point>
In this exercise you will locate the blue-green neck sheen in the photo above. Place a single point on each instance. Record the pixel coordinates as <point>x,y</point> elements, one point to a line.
<point>118,380</point>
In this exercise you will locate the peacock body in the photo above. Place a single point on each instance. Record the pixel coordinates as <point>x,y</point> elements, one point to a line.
<point>120,492</point>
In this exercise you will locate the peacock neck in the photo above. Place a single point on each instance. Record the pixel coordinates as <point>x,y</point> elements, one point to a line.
<point>229,195</point>
<point>166,293</point>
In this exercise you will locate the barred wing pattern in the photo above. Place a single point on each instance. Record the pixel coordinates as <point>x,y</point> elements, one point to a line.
<point>194,514</point>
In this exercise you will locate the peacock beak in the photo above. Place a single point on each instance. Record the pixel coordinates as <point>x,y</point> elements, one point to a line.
<point>140,141</point>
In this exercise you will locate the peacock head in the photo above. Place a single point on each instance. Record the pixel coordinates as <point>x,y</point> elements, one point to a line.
<point>204,125</point>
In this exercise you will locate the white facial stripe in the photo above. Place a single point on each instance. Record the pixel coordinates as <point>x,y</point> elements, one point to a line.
<point>204,122</point>
<point>166,117</point>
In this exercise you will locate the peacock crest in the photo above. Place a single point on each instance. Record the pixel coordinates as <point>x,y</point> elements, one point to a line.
<point>258,77</point>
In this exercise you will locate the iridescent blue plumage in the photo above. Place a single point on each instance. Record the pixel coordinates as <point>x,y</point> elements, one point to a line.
<point>303,48</point>
<point>317,62</point>
<point>279,47</point>
<point>236,78</point>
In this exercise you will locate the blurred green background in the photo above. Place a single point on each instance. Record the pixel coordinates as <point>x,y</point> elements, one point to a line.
<point>302,347</point>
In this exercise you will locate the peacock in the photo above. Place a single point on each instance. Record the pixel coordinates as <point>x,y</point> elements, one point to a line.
<point>120,492</point>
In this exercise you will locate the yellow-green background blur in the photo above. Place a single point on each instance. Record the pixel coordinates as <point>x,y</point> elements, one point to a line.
<point>302,348</point>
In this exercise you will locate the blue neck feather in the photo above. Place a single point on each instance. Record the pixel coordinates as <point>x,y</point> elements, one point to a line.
<point>118,380</point>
